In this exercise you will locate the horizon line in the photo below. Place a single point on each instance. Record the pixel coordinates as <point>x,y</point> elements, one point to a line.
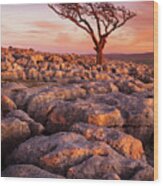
<point>79,53</point>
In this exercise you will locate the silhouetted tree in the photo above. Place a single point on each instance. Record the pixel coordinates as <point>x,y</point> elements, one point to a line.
<point>107,19</point>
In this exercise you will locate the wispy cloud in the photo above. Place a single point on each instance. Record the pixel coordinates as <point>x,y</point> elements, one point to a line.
<point>47,25</point>
<point>63,38</point>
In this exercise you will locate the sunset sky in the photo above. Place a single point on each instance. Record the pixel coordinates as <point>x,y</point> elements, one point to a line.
<point>36,26</point>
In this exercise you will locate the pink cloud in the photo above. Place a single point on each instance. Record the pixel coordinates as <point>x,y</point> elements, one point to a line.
<point>47,25</point>
<point>63,38</point>
<point>41,29</point>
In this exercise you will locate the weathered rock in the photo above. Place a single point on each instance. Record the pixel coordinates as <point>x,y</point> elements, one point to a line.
<point>16,128</point>
<point>35,127</point>
<point>33,74</point>
<point>110,118</point>
<point>59,152</point>
<point>9,87</point>
<point>28,171</point>
<point>121,142</point>
<point>105,113</point>
<point>37,58</point>
<point>99,114</point>
<point>22,96</point>
<point>136,110</point>
<point>131,86</point>
<point>13,132</point>
<point>73,65</point>
<point>39,100</point>
<point>98,167</point>
<point>62,116</point>
<point>59,74</point>
<point>141,125</point>
<point>9,75</point>
<point>7,105</point>
<point>97,87</point>
<point>145,174</point>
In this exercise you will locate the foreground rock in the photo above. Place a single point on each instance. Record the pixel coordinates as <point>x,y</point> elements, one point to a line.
<point>15,129</point>
<point>136,111</point>
<point>43,103</point>
<point>59,107</point>
<point>98,167</point>
<point>71,155</point>
<point>35,127</point>
<point>121,142</point>
<point>7,105</point>
<point>14,132</point>
<point>28,171</point>
<point>145,174</point>
<point>65,116</point>
<point>58,152</point>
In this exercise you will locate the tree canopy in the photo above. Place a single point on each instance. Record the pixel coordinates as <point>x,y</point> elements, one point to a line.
<point>107,18</point>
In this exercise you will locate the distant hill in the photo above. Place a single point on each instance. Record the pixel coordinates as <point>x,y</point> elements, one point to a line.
<point>144,58</point>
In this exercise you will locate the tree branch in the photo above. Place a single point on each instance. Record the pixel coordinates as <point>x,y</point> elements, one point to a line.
<point>107,18</point>
<point>68,17</point>
<point>96,18</point>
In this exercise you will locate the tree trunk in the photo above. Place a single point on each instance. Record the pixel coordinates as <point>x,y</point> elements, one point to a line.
<point>99,56</point>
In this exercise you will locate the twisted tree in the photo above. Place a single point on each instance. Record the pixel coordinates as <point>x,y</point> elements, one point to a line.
<point>106,16</point>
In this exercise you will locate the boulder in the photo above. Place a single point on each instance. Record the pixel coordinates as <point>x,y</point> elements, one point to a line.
<point>13,132</point>
<point>28,171</point>
<point>99,114</point>
<point>37,57</point>
<point>108,167</point>
<point>145,174</point>
<point>121,142</point>
<point>59,74</point>
<point>35,127</point>
<point>58,152</point>
<point>7,104</point>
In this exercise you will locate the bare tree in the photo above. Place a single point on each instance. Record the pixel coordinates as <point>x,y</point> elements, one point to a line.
<point>107,19</point>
